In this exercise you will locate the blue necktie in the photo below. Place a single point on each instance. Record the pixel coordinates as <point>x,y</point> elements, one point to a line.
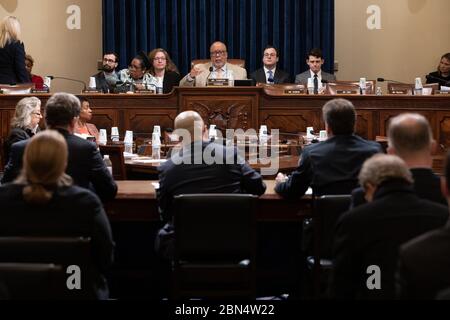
<point>316,84</point>
<point>270,79</point>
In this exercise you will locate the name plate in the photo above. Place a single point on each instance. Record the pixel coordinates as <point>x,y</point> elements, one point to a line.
<point>442,92</point>
<point>218,83</point>
<point>347,92</point>
<point>399,92</point>
<point>145,91</point>
<point>294,91</point>
<point>40,90</point>
<point>91,90</point>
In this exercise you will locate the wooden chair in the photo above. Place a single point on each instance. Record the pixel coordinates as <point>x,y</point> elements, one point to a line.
<point>214,246</point>
<point>63,251</point>
<point>115,153</point>
<point>283,89</point>
<point>326,212</point>
<point>238,62</point>
<point>32,281</point>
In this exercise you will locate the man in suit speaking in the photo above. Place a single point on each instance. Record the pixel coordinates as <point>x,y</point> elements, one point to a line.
<point>218,68</point>
<point>315,61</point>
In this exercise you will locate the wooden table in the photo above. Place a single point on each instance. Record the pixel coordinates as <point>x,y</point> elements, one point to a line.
<point>136,201</point>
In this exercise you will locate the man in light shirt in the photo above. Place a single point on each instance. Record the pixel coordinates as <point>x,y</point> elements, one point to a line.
<point>221,69</point>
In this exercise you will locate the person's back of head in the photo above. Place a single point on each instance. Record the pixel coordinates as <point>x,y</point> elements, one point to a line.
<point>339,116</point>
<point>191,123</point>
<point>410,135</point>
<point>44,164</point>
<point>61,110</point>
<point>382,168</point>
<point>9,30</point>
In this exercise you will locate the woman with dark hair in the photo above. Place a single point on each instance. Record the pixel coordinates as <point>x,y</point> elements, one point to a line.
<point>137,73</point>
<point>442,75</point>
<point>43,202</point>
<point>37,80</point>
<point>164,70</point>
<point>12,53</point>
<point>82,126</point>
<point>24,124</point>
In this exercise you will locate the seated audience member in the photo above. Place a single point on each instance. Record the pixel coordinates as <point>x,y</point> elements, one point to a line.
<point>188,172</point>
<point>24,124</point>
<point>43,202</point>
<point>164,70</point>
<point>83,126</point>
<point>107,78</point>
<point>332,166</point>
<point>37,80</point>
<point>442,75</point>
<point>424,262</point>
<point>410,138</point>
<point>85,164</point>
<point>221,69</point>
<point>137,75</point>
<point>315,61</point>
<point>367,238</point>
<point>270,73</point>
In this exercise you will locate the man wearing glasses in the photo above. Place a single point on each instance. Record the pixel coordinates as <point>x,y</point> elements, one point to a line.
<point>221,69</point>
<point>269,73</point>
<point>108,77</point>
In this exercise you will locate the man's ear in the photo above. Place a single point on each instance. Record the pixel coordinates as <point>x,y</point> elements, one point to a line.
<point>390,150</point>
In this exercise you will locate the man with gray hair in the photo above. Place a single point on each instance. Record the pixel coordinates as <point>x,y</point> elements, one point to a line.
<point>368,237</point>
<point>410,138</point>
<point>85,164</point>
<point>332,166</point>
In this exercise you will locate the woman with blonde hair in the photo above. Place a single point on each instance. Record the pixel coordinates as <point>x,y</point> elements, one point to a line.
<point>24,124</point>
<point>43,202</point>
<point>12,53</point>
<point>164,70</point>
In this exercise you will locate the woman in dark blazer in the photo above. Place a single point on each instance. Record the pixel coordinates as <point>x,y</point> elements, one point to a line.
<point>164,70</point>
<point>43,202</point>
<point>24,124</point>
<point>12,53</point>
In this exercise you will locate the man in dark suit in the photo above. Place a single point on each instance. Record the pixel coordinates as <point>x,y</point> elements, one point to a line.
<point>424,262</point>
<point>315,61</point>
<point>332,166</point>
<point>269,73</point>
<point>85,164</point>
<point>367,238</point>
<point>410,138</point>
<point>108,77</point>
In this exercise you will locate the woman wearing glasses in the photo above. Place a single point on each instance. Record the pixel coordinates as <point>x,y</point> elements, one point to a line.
<point>137,75</point>
<point>24,124</point>
<point>164,70</point>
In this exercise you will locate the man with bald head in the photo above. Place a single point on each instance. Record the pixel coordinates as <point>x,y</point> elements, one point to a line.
<point>410,138</point>
<point>221,69</point>
<point>203,167</point>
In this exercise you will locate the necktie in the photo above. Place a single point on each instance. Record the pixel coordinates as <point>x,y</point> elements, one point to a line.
<point>316,84</point>
<point>270,78</point>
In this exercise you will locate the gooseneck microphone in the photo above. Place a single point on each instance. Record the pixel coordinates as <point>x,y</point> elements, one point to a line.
<point>388,80</point>
<point>70,79</point>
<point>211,69</point>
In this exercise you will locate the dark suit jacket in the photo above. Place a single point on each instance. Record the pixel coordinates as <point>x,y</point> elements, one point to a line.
<point>435,77</point>
<point>427,185</point>
<point>329,167</point>
<point>203,178</point>
<point>371,235</point>
<point>303,77</point>
<point>73,211</point>
<point>85,165</point>
<point>424,265</point>
<point>16,135</point>
<point>279,77</point>
<point>102,84</point>
<point>12,64</point>
<point>171,79</point>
